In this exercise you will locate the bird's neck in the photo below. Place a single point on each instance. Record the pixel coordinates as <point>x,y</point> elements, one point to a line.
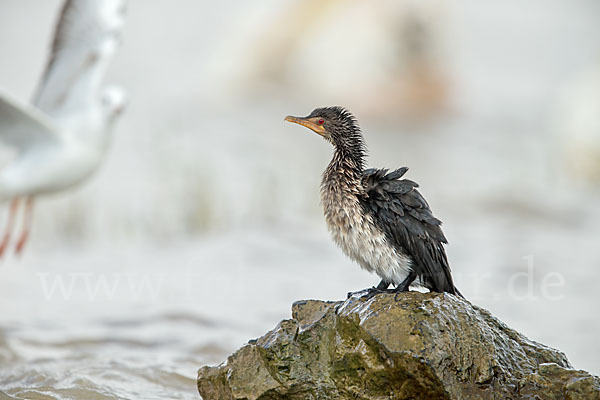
<point>344,171</point>
<point>348,159</point>
<point>341,190</point>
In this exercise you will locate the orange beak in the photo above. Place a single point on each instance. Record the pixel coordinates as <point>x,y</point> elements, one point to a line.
<point>310,123</point>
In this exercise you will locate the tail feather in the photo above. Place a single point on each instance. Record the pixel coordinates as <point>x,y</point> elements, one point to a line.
<point>458,293</point>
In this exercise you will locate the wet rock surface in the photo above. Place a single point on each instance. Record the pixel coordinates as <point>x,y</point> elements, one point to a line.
<point>415,346</point>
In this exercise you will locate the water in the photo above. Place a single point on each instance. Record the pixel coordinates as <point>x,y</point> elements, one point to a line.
<point>137,322</point>
<point>204,226</point>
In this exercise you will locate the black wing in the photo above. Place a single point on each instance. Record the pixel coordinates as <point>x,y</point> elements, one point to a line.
<point>406,219</point>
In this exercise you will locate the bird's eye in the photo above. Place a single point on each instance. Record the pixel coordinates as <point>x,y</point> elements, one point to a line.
<point>321,121</point>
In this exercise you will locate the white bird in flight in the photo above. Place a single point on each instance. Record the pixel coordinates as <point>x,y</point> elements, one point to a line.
<point>62,139</point>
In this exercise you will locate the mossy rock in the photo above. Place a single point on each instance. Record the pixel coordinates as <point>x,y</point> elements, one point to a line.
<point>410,346</point>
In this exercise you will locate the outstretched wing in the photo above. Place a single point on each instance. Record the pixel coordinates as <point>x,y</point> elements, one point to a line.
<point>405,217</point>
<point>22,126</point>
<point>86,37</point>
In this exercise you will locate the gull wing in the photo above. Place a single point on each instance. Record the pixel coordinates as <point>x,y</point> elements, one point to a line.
<point>24,127</point>
<point>86,37</point>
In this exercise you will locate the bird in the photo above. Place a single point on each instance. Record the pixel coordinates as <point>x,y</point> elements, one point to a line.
<point>61,139</point>
<point>376,217</point>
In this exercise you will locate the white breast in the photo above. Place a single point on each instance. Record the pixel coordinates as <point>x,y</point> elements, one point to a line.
<point>359,238</point>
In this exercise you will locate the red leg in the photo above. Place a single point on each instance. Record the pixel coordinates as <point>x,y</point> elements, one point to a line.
<point>14,206</point>
<point>26,225</point>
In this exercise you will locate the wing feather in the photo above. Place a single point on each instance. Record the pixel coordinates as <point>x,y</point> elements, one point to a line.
<point>86,36</point>
<point>22,126</point>
<point>406,219</point>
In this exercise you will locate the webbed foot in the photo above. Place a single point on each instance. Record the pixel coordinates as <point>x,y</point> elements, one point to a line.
<point>400,289</point>
<point>371,292</point>
<point>404,286</point>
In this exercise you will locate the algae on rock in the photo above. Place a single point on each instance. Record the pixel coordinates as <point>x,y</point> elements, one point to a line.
<point>415,346</point>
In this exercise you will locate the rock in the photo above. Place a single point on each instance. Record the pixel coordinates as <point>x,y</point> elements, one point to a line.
<point>418,346</point>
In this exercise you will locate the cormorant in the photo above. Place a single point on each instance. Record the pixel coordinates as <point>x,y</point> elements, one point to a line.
<point>379,220</point>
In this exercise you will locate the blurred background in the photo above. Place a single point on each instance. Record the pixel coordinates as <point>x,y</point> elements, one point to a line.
<point>204,224</point>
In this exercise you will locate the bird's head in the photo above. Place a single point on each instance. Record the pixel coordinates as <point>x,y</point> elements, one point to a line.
<point>336,124</point>
<point>114,102</point>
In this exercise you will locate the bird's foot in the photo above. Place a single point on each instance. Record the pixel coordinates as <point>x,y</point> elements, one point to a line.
<point>399,289</point>
<point>21,243</point>
<point>368,293</point>
<point>3,246</point>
